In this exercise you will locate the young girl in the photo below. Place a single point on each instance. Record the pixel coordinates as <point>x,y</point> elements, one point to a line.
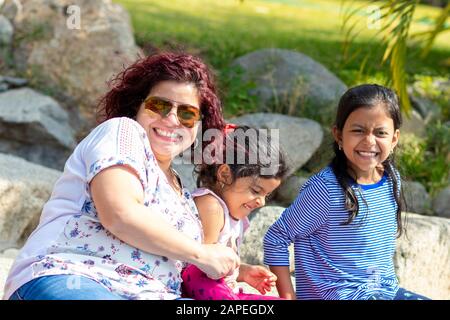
<point>230,191</point>
<point>345,219</point>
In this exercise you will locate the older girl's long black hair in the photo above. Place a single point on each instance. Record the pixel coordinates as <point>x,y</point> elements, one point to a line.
<point>366,96</point>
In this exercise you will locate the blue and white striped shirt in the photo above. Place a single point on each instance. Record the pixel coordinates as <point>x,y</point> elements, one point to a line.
<point>332,260</point>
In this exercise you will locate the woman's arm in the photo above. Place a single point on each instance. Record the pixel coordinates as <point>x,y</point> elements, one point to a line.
<point>118,197</point>
<point>284,284</point>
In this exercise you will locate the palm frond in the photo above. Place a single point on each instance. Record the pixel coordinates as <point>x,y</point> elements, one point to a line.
<point>438,28</point>
<point>397,16</point>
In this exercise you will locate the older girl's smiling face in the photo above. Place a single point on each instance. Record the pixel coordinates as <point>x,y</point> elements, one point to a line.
<point>168,137</point>
<point>367,139</point>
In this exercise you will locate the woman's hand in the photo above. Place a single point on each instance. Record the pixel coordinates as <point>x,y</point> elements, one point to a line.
<point>217,260</point>
<point>258,277</point>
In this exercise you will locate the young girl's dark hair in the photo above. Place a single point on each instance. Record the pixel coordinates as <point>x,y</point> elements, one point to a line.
<point>366,96</point>
<point>241,150</point>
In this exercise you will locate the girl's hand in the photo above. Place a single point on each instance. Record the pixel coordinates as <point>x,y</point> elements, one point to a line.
<point>258,277</point>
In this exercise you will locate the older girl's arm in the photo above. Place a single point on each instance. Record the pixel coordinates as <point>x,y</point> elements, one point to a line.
<point>284,284</point>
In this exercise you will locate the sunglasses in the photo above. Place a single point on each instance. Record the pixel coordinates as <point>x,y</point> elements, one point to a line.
<point>187,115</point>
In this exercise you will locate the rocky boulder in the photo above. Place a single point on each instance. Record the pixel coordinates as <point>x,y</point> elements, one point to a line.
<point>427,109</point>
<point>299,137</point>
<point>324,154</point>
<point>414,124</point>
<point>7,83</point>
<point>6,31</point>
<point>289,189</point>
<point>24,189</point>
<point>6,260</point>
<point>416,197</point>
<point>423,256</point>
<point>33,126</point>
<point>441,203</point>
<point>291,82</point>
<point>72,47</point>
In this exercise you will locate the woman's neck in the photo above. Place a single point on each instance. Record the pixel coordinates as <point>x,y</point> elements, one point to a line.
<point>165,166</point>
<point>171,176</point>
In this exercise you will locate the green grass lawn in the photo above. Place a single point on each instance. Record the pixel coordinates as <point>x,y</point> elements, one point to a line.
<point>222,30</point>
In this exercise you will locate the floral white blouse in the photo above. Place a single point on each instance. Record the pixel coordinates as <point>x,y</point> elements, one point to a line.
<point>70,238</point>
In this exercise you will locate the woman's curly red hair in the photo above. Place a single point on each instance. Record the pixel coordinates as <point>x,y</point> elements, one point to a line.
<point>131,86</point>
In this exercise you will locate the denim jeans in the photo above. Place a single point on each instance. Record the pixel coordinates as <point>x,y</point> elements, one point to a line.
<point>401,294</point>
<point>63,287</point>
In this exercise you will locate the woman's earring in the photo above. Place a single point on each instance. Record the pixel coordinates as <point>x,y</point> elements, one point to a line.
<point>340,147</point>
<point>222,185</point>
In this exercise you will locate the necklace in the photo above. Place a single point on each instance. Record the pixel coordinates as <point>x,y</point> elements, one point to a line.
<point>175,181</point>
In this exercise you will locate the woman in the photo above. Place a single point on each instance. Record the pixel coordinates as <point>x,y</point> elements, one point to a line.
<point>119,224</point>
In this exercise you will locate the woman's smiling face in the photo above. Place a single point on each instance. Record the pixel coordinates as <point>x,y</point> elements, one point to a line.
<point>168,137</point>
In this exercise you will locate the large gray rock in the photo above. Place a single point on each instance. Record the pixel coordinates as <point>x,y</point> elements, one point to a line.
<point>427,109</point>
<point>414,124</point>
<point>291,82</point>
<point>289,189</point>
<point>13,82</point>
<point>323,155</point>
<point>441,204</point>
<point>70,59</point>
<point>424,94</point>
<point>6,260</point>
<point>24,189</point>
<point>6,31</point>
<point>422,258</point>
<point>251,250</point>
<point>416,197</point>
<point>35,127</point>
<point>299,137</point>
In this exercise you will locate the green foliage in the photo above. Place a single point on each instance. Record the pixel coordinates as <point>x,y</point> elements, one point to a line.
<point>33,32</point>
<point>394,20</point>
<point>429,87</point>
<point>221,31</point>
<point>237,99</point>
<point>427,160</point>
<point>439,28</point>
<point>6,59</point>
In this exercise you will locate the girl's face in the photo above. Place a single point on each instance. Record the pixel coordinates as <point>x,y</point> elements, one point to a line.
<point>247,194</point>
<point>367,139</point>
<point>168,137</point>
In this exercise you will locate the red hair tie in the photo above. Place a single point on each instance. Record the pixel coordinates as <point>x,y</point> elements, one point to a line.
<point>229,127</point>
